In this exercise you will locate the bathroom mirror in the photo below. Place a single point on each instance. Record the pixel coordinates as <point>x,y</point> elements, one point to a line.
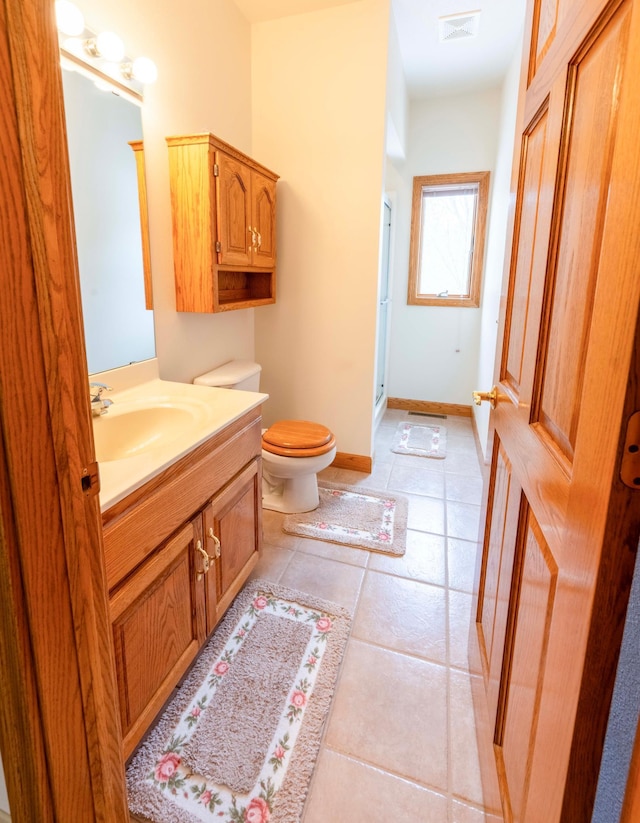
<point>101,125</point>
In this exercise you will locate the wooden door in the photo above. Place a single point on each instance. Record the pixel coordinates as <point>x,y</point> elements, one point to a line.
<point>263,205</point>
<point>234,516</point>
<point>59,724</point>
<point>158,628</point>
<point>562,527</point>
<point>233,201</point>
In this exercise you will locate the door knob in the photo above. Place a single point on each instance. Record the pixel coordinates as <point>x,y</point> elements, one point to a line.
<point>490,396</point>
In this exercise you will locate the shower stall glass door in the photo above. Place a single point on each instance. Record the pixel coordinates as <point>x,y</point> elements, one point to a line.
<point>383,311</point>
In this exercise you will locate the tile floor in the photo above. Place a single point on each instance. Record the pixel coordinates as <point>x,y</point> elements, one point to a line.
<point>400,742</point>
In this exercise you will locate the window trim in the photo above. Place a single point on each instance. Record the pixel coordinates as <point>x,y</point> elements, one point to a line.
<point>414,297</point>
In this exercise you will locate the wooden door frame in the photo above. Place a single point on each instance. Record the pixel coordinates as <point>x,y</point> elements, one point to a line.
<point>59,726</point>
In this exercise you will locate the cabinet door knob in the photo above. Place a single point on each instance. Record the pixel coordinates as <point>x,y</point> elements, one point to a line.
<point>206,560</point>
<point>215,541</point>
<point>253,236</point>
<point>259,238</point>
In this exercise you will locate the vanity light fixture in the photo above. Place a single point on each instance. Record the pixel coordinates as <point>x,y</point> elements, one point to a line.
<point>106,45</point>
<point>100,55</point>
<point>141,69</point>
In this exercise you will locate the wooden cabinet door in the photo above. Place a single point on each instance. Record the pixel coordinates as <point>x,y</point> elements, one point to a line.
<point>263,220</point>
<point>235,517</point>
<point>562,526</point>
<point>158,626</point>
<point>233,209</point>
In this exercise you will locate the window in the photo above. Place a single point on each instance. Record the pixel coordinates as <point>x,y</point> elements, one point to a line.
<point>448,219</point>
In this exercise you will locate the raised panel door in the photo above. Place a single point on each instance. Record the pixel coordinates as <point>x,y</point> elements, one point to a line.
<point>233,201</point>
<point>158,626</point>
<point>263,204</point>
<point>234,518</point>
<point>568,380</point>
<point>499,559</point>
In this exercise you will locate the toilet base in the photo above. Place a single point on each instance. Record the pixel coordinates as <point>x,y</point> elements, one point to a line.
<point>290,495</point>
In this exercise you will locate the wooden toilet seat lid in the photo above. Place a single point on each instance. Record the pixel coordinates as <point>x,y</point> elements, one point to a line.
<point>298,438</point>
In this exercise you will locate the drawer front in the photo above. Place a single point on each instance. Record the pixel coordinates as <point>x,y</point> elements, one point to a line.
<point>133,536</point>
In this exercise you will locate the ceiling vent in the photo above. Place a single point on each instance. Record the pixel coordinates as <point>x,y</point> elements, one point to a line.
<point>458,26</point>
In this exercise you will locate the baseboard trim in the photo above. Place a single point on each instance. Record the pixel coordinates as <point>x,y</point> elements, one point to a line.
<point>428,407</point>
<point>355,462</point>
<point>4,817</point>
<point>476,436</point>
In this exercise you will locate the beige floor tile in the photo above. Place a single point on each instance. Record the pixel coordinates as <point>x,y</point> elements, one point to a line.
<point>395,415</point>
<point>426,514</point>
<point>465,462</point>
<point>432,464</point>
<point>390,710</point>
<point>272,563</point>
<point>424,559</point>
<point>461,813</point>
<point>458,425</point>
<point>272,531</point>
<point>334,551</point>
<point>347,790</point>
<point>416,481</point>
<point>466,780</point>
<point>461,560</point>
<point>332,581</point>
<point>404,615</point>
<point>385,437</point>
<point>463,488</point>
<point>460,605</point>
<point>463,520</point>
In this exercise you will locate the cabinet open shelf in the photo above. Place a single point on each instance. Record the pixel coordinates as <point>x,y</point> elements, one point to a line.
<point>245,289</point>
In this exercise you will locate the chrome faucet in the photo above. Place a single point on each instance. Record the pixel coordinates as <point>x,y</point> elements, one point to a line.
<point>99,405</point>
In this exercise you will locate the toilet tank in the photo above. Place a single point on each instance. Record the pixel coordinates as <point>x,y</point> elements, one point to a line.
<point>237,374</point>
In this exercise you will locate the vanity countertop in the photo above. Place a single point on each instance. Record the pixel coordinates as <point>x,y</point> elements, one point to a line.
<point>159,422</point>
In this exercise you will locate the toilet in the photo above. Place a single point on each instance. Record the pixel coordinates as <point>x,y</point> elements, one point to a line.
<point>293,451</point>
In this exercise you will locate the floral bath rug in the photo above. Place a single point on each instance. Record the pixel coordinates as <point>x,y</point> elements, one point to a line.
<point>423,441</point>
<point>238,742</point>
<point>357,517</point>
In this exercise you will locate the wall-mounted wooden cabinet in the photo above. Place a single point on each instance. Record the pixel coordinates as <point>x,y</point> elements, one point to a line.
<point>224,226</point>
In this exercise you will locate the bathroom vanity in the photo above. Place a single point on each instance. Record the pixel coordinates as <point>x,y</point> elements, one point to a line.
<point>178,547</point>
<point>223,206</point>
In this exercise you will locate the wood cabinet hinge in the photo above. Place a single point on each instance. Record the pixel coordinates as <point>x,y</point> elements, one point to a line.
<point>218,246</point>
<point>216,170</point>
<point>90,480</point>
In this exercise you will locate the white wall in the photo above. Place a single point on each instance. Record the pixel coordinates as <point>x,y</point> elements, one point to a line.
<point>397,100</point>
<point>434,350</point>
<point>318,121</point>
<point>494,266</point>
<point>203,52</point>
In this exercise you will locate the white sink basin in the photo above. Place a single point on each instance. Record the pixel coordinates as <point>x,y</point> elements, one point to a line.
<point>130,430</point>
<point>152,423</point>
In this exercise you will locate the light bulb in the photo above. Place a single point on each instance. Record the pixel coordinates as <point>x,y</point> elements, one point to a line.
<point>110,46</point>
<point>69,18</point>
<point>74,45</point>
<point>144,70</point>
